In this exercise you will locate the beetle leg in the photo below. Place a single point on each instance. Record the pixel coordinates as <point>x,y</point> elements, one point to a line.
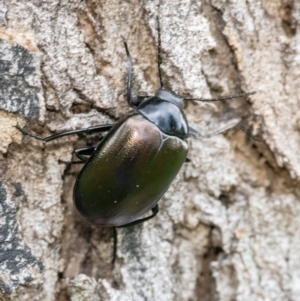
<point>68,162</point>
<point>188,160</point>
<point>89,130</point>
<point>154,210</point>
<point>85,151</point>
<point>141,96</point>
<point>79,153</point>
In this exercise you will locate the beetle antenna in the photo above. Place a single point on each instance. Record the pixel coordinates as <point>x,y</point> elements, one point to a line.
<point>159,59</point>
<point>222,97</point>
<point>129,74</point>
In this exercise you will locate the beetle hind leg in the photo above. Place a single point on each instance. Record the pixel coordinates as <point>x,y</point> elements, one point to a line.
<point>154,210</point>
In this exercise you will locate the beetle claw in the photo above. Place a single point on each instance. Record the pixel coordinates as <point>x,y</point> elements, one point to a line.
<point>188,160</point>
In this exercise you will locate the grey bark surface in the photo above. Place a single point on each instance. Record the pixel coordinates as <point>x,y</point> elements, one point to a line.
<point>228,227</point>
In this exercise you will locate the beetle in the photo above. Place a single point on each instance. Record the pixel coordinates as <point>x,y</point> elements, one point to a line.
<point>138,158</point>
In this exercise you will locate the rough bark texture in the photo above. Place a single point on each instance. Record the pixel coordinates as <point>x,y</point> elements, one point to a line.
<point>228,227</point>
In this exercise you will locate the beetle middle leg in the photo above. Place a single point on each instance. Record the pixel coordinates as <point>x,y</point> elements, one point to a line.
<point>154,210</point>
<point>89,130</point>
<point>79,153</point>
<point>85,151</point>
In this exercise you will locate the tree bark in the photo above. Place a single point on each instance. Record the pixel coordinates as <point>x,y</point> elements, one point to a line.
<point>228,227</point>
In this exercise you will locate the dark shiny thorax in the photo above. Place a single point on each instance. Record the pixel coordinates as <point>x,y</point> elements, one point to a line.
<point>165,111</point>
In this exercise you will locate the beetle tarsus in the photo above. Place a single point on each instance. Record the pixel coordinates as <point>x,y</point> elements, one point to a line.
<point>29,134</point>
<point>89,130</point>
<point>188,160</point>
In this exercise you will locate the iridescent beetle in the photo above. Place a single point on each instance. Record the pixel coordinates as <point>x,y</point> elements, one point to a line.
<point>137,160</point>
